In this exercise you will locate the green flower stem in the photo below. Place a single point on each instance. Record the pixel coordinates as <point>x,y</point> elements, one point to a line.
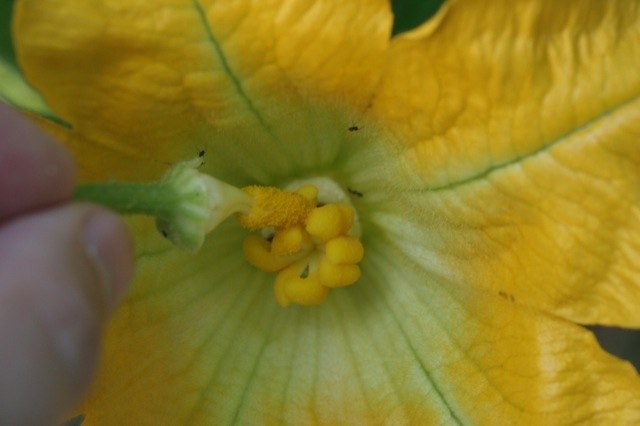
<point>153,199</point>
<point>186,203</point>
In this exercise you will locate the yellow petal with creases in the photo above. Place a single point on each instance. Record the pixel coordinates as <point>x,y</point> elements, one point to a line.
<point>522,121</point>
<point>522,181</point>
<point>491,361</point>
<point>156,82</point>
<point>201,341</point>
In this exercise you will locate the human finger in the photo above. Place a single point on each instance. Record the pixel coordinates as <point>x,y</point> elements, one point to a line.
<point>62,270</point>
<point>35,172</point>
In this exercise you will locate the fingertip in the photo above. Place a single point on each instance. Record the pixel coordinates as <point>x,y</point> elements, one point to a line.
<point>54,268</point>
<point>109,246</point>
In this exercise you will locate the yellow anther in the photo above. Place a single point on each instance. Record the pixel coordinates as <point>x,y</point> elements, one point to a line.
<point>328,222</point>
<point>332,275</point>
<point>290,287</point>
<point>280,293</point>
<point>289,241</point>
<point>274,208</point>
<point>309,192</point>
<point>344,250</point>
<point>346,211</point>
<point>313,248</point>
<point>257,251</point>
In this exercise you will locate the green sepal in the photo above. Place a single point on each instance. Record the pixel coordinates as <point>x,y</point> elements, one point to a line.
<point>186,203</point>
<point>14,89</point>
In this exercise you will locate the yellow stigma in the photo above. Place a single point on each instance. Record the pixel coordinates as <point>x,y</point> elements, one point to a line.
<point>309,247</point>
<point>275,208</point>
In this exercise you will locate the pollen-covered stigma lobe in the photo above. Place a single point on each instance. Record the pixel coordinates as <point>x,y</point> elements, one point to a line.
<point>311,247</point>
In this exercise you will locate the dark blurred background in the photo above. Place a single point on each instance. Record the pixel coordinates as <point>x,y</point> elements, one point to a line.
<point>411,13</point>
<point>623,343</point>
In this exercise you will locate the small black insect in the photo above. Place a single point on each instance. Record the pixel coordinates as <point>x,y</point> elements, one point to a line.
<point>304,274</point>
<point>354,128</point>
<point>354,192</point>
<point>507,296</point>
<point>164,233</point>
<point>201,153</point>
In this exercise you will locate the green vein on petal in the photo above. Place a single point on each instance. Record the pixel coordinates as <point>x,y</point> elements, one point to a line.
<point>403,345</point>
<point>491,359</point>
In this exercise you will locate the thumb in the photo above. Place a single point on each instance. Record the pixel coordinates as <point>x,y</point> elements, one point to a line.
<point>61,272</point>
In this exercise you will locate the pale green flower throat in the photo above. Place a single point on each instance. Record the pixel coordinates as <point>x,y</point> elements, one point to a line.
<point>308,234</point>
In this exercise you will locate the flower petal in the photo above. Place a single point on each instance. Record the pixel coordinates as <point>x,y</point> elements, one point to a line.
<point>522,120</point>
<point>493,361</point>
<point>163,80</point>
<point>202,341</point>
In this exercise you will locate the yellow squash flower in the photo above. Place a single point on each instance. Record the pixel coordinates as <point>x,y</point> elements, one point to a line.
<point>491,156</point>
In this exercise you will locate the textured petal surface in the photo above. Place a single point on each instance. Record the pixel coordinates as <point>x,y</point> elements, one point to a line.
<point>201,341</point>
<point>155,80</point>
<point>523,121</point>
<point>504,111</point>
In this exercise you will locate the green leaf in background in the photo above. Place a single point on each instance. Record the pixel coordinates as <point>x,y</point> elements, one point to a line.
<point>14,90</point>
<point>408,14</point>
<point>6,47</point>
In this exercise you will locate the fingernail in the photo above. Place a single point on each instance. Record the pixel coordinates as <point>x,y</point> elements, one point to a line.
<point>108,246</point>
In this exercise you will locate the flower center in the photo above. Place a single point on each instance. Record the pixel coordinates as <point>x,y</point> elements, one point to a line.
<point>308,235</point>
